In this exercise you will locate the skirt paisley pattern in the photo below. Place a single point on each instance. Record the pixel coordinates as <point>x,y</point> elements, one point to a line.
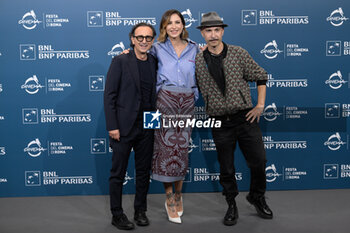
<point>170,156</point>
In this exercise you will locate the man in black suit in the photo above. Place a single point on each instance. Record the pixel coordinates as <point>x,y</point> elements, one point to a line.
<point>130,90</point>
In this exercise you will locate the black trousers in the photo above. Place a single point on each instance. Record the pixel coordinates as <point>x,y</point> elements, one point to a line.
<point>248,135</point>
<point>142,141</point>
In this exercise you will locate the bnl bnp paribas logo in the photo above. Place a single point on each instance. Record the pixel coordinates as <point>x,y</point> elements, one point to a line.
<point>151,120</point>
<point>189,20</point>
<point>337,110</point>
<point>114,18</point>
<point>31,116</point>
<point>33,178</point>
<point>336,81</point>
<point>98,146</point>
<point>332,171</point>
<point>337,48</point>
<point>337,17</point>
<point>268,17</point>
<point>96,83</point>
<point>47,52</point>
<point>335,142</point>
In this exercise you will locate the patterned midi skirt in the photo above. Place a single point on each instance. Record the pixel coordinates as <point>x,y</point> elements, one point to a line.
<point>170,156</point>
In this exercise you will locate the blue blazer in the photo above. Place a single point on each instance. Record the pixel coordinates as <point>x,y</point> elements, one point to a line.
<point>122,95</point>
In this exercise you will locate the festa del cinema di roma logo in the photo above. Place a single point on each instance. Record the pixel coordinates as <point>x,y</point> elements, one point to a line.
<point>153,120</point>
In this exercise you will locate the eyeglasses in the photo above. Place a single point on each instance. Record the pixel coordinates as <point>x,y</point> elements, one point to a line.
<point>140,38</point>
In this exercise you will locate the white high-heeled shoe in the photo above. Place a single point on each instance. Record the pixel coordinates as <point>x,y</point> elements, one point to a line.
<point>180,213</point>
<point>174,220</point>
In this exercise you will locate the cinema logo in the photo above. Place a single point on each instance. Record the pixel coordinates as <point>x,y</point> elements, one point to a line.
<point>271,112</point>
<point>334,48</point>
<point>335,142</point>
<point>203,175</point>
<point>286,83</point>
<point>114,19</point>
<point>271,50</point>
<point>35,149</point>
<point>187,14</point>
<point>267,17</point>
<point>332,171</point>
<point>29,20</point>
<point>336,81</point>
<point>31,116</point>
<point>337,17</point>
<point>32,85</point>
<point>271,173</point>
<point>117,49</point>
<point>269,144</point>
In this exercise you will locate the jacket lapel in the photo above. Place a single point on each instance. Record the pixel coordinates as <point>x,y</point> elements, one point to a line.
<point>134,69</point>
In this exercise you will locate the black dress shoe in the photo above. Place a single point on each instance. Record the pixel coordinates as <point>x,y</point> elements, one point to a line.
<point>231,215</point>
<point>122,222</point>
<point>261,207</point>
<point>141,218</point>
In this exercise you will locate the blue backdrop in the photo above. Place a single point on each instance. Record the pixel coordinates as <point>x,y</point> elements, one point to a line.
<point>54,56</point>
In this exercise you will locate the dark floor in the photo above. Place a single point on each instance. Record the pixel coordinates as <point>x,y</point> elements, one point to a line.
<point>295,211</point>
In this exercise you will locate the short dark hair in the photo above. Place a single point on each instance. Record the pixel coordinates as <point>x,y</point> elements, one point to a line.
<point>132,32</point>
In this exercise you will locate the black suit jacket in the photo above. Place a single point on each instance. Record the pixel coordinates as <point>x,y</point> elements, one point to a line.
<point>122,95</point>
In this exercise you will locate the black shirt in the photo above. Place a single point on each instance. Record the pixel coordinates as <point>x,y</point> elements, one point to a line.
<point>146,85</point>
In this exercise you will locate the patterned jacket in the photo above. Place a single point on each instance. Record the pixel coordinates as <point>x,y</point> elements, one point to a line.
<point>239,68</point>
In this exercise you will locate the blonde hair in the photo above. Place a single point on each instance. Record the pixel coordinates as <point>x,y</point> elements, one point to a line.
<point>164,23</point>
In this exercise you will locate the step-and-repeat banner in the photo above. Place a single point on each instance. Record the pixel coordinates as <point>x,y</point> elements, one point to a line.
<point>54,56</point>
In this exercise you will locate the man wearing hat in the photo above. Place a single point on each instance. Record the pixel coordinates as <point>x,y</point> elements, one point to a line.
<point>223,72</point>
